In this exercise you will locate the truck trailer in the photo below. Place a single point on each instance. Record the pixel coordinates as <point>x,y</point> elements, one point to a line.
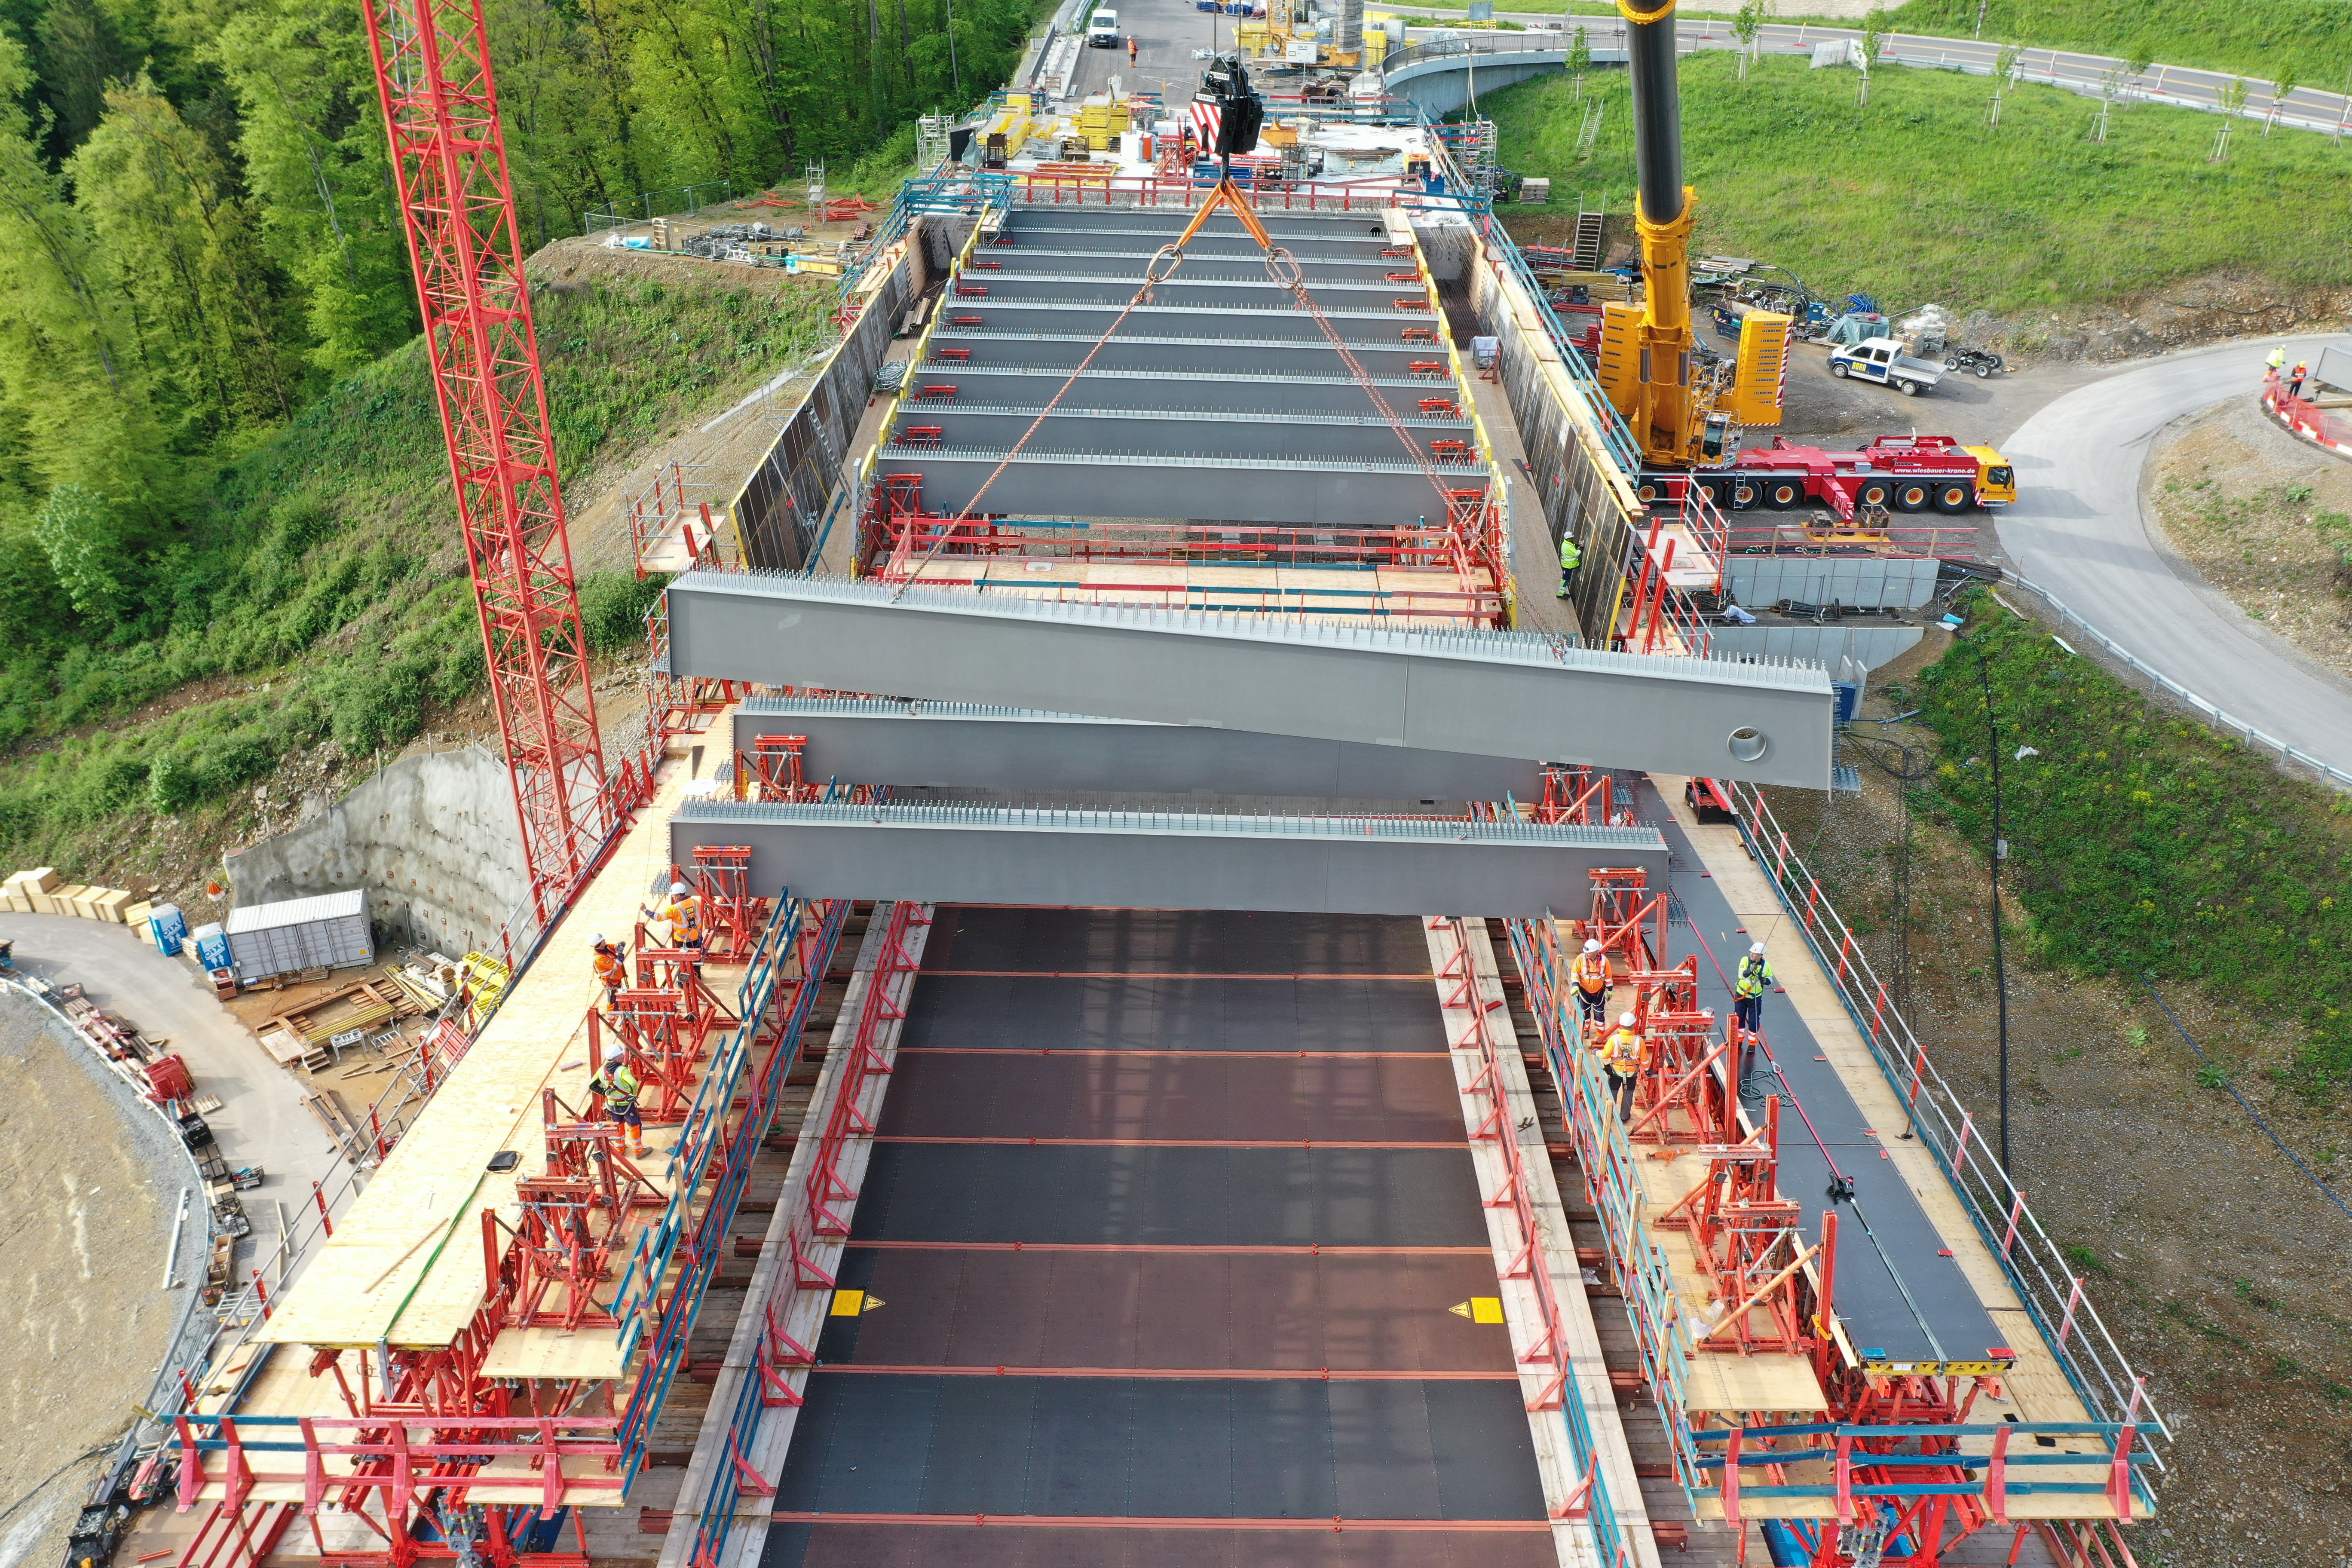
<point>1894,473</point>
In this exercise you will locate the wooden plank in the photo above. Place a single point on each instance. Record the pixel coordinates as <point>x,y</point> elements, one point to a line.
<point>560,1353</point>
<point>406,1261</point>
<point>1734,1385</point>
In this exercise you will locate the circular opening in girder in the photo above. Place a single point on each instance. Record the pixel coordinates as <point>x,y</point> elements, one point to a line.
<point>1749,744</point>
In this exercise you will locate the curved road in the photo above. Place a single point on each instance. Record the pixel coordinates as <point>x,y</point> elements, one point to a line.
<point>2077,531</point>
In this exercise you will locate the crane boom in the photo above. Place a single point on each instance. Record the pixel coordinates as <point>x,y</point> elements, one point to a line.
<point>431,61</point>
<point>1680,416</point>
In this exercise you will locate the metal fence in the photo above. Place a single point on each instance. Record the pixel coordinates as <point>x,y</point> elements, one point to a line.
<point>676,200</point>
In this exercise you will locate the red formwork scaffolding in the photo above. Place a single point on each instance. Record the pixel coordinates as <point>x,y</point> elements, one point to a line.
<point>448,161</point>
<point>439,1459</point>
<point>1894,1462</point>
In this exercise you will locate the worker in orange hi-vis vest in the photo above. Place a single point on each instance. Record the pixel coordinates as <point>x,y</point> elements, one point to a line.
<point>1590,972</point>
<point>682,918</point>
<point>612,969</point>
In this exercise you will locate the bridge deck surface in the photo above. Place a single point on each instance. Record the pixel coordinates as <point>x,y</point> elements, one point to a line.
<point>1171,1222</point>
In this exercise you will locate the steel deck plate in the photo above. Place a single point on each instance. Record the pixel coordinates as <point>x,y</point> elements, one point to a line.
<point>1166,1013</point>
<point>999,1545</point>
<point>1896,1291</point>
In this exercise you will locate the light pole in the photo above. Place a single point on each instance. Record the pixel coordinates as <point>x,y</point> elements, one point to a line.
<point>2000,851</point>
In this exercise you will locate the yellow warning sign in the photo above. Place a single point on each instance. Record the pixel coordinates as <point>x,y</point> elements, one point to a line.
<point>848,1303</point>
<point>1477,1309</point>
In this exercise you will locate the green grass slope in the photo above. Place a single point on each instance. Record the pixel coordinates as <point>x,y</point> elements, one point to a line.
<point>1916,198</point>
<point>2312,39</point>
<point>326,596</point>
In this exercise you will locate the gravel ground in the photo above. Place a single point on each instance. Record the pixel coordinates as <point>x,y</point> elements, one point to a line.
<point>2218,1269</point>
<point>2249,507</point>
<point>91,1180</point>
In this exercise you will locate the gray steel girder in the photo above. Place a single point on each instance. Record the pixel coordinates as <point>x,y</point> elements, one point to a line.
<point>1263,395</point>
<point>1352,492</point>
<point>1279,322</point>
<point>1033,335</point>
<point>1198,266</point>
<point>1259,293</point>
<point>1238,435</point>
<point>1302,236</point>
<point>1105,860</point>
<point>959,746</point>
<point>1499,694</point>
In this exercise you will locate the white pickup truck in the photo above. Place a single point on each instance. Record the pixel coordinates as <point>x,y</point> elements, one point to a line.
<point>1882,359</point>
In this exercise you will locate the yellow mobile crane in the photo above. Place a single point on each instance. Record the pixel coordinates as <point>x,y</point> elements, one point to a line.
<point>1646,360</point>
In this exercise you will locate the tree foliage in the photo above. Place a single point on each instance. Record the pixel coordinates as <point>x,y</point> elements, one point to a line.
<point>197,236</point>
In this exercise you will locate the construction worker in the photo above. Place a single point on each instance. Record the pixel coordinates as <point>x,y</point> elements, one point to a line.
<point>1748,984</point>
<point>2277,361</point>
<point>1590,972</point>
<point>2294,379</point>
<point>682,916</point>
<point>612,969</point>
<point>1623,1054</point>
<point>1130,49</point>
<point>620,1087</point>
<point>1570,558</point>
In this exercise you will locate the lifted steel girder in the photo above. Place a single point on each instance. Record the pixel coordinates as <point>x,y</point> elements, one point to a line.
<point>1349,492</point>
<point>1238,435</point>
<point>1038,335</point>
<point>1116,859</point>
<point>1499,694</point>
<point>959,746</point>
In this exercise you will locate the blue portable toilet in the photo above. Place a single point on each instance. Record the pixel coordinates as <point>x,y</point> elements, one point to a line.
<point>211,946</point>
<point>169,928</point>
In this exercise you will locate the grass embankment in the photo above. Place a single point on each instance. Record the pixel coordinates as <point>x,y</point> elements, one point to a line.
<point>2309,39</point>
<point>329,599</point>
<point>1916,198</point>
<point>2141,842</point>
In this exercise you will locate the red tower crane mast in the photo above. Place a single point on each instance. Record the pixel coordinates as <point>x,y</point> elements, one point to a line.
<point>449,171</point>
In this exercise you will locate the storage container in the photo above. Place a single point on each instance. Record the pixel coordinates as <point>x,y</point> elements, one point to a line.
<point>327,932</point>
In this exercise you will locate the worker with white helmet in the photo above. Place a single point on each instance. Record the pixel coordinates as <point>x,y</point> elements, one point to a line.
<point>682,916</point>
<point>620,1086</point>
<point>611,969</point>
<point>1748,987</point>
<point>1623,1054</point>
<point>1590,972</point>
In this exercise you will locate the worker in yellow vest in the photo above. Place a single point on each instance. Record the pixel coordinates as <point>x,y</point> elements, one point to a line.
<point>1623,1054</point>
<point>1748,984</point>
<point>1590,972</point>
<point>620,1087</point>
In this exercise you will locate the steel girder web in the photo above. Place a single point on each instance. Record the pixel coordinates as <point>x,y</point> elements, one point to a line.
<point>449,170</point>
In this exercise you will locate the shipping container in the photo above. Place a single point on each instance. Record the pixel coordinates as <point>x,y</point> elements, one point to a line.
<point>327,932</point>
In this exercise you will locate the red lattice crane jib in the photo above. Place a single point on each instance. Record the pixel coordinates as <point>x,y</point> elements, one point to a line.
<point>449,171</point>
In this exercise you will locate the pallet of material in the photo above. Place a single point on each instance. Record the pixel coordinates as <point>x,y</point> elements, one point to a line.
<point>112,906</point>
<point>57,900</point>
<point>287,1048</point>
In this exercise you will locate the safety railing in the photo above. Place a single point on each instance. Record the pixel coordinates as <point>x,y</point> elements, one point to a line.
<point>1588,1501</point>
<point>1612,1185</point>
<point>710,1131</point>
<point>650,204</point>
<point>2213,713</point>
<point>2037,1268</point>
<point>812,1222</point>
<point>1858,1454</point>
<point>2305,417</point>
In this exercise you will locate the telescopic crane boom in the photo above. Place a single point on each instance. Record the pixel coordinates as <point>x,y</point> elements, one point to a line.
<point>1682,416</point>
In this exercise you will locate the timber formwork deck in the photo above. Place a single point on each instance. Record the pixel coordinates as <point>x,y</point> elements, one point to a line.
<point>1169,1251</point>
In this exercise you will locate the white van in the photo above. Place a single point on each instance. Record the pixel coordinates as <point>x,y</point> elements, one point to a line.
<point>1102,30</point>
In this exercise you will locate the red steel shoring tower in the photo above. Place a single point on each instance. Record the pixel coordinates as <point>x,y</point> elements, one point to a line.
<point>450,168</point>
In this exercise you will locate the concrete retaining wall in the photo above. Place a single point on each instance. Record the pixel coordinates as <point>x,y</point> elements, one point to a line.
<point>431,838</point>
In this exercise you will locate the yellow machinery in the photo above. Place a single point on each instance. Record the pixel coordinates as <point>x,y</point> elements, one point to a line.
<point>1646,362</point>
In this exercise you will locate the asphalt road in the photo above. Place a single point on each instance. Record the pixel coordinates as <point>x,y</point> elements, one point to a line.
<point>2078,530</point>
<point>1166,33</point>
<point>2308,109</point>
<point>261,1120</point>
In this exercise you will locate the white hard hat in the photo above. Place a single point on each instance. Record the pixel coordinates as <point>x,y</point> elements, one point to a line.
<point>1626,1022</point>
<point>677,890</point>
<point>596,941</point>
<point>1590,945</point>
<point>614,1056</point>
<point>1755,947</point>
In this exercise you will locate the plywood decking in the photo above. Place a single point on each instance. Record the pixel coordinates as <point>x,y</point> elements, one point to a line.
<point>404,1265</point>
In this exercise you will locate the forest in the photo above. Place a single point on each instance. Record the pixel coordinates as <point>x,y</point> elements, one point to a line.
<point>197,240</point>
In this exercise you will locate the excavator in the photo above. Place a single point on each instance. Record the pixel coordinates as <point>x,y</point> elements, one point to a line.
<point>1680,414</point>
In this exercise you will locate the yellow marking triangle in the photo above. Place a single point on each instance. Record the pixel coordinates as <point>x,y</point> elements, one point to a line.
<point>873,1302</point>
<point>1460,1309</point>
